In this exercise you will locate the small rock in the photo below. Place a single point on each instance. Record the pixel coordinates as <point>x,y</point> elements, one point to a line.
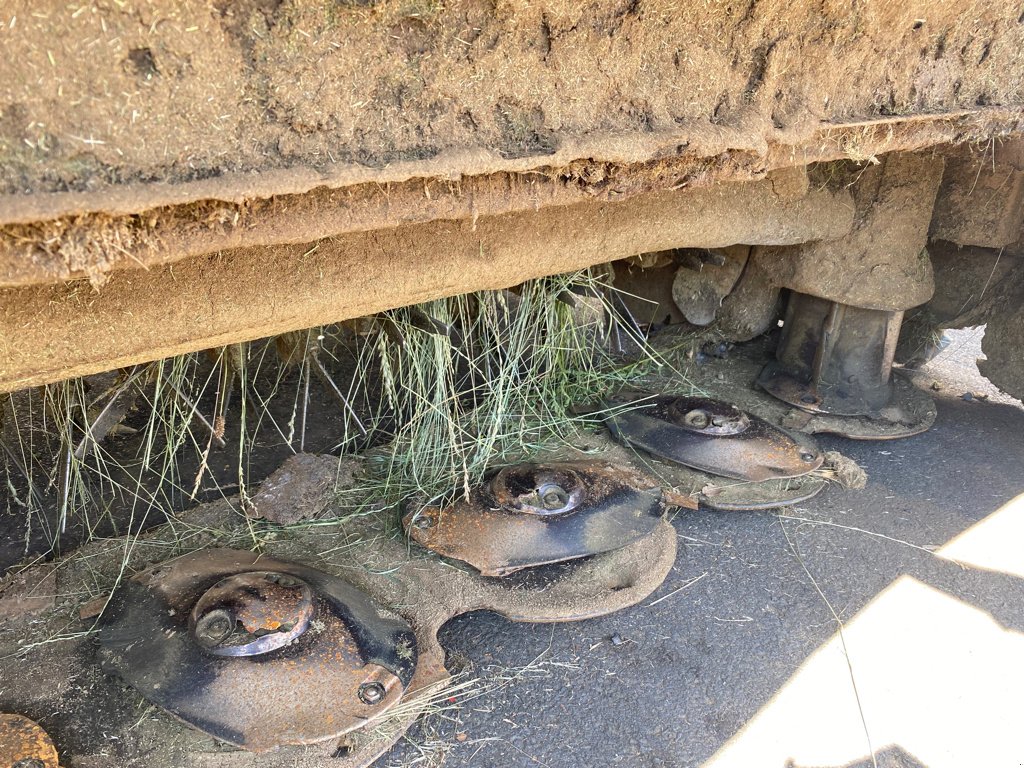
<point>302,488</point>
<point>617,639</point>
<point>936,386</point>
<point>968,396</point>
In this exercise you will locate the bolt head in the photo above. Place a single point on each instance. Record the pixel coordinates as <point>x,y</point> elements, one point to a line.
<point>214,627</point>
<point>697,418</point>
<point>371,693</point>
<point>553,497</point>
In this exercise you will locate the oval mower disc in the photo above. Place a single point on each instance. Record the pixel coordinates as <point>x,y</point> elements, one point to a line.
<point>255,651</point>
<point>533,514</point>
<point>714,437</point>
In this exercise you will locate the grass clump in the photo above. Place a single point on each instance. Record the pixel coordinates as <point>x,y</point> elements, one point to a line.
<point>487,377</point>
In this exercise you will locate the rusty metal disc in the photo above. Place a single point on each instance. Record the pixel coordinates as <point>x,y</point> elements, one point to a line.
<point>23,744</point>
<point>534,514</point>
<point>257,652</point>
<point>714,437</point>
<point>911,411</point>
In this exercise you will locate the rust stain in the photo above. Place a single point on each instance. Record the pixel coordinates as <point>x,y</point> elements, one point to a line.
<point>23,740</point>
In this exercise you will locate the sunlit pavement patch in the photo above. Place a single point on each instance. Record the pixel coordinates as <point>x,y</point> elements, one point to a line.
<point>994,544</point>
<point>938,684</point>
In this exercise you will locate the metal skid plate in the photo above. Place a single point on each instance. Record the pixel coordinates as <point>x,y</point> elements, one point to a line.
<point>834,365</point>
<point>255,651</point>
<point>723,494</point>
<point>713,437</point>
<point>755,497</point>
<point>688,488</point>
<point>910,412</point>
<point>534,514</point>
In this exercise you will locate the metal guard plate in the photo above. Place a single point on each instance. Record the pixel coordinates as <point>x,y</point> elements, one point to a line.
<point>534,514</point>
<point>713,437</point>
<point>346,665</point>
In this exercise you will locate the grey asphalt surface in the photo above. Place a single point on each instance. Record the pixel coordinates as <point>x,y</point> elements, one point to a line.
<point>687,674</point>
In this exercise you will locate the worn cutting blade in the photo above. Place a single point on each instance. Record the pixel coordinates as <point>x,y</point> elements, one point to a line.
<point>711,436</point>
<point>255,651</point>
<point>533,514</point>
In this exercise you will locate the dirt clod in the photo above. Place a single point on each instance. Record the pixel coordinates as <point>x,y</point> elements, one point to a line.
<point>848,473</point>
<point>301,488</point>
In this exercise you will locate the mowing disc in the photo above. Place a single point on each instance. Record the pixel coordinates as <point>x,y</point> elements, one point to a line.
<point>534,514</point>
<point>714,437</point>
<point>255,651</point>
<point>166,633</point>
<point>733,378</point>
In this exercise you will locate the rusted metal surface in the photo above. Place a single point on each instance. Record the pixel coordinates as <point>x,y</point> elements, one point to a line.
<point>834,358</point>
<point>911,411</point>
<point>255,651</point>
<point>533,514</point>
<point>711,436</point>
<point>23,744</point>
<point>252,613</point>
